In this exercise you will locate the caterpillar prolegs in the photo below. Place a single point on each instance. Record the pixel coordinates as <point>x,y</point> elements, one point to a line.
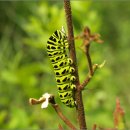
<point>56,49</point>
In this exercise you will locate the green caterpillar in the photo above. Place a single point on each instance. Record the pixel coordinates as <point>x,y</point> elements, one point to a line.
<point>56,49</point>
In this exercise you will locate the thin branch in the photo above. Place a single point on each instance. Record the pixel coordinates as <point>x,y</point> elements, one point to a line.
<point>87,39</point>
<point>109,128</point>
<point>60,114</point>
<point>33,101</point>
<point>119,116</point>
<point>60,127</point>
<point>89,60</point>
<point>88,78</point>
<point>78,94</point>
<point>94,127</point>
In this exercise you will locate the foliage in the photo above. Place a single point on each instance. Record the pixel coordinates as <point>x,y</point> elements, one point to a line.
<point>25,69</point>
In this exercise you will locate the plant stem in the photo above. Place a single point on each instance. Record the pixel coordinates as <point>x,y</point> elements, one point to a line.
<point>78,93</point>
<point>89,60</point>
<point>60,114</point>
<point>33,101</point>
<point>89,77</point>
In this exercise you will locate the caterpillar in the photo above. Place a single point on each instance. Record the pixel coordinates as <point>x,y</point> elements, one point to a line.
<point>56,49</point>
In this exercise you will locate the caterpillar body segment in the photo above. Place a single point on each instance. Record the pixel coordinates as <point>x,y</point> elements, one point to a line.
<point>58,58</point>
<point>66,86</point>
<point>54,42</point>
<point>52,54</point>
<point>63,71</point>
<point>69,102</point>
<point>65,95</point>
<point>57,46</point>
<point>63,79</point>
<point>62,64</point>
<point>58,38</point>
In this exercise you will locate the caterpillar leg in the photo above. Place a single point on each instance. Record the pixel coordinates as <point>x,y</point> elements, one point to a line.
<point>72,78</point>
<point>66,45</point>
<point>70,61</point>
<point>73,87</point>
<point>71,70</point>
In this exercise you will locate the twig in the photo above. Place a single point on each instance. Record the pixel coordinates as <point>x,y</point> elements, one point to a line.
<point>88,78</point>
<point>87,39</point>
<point>60,127</point>
<point>109,128</point>
<point>60,114</point>
<point>89,60</point>
<point>33,101</point>
<point>119,116</point>
<point>94,127</point>
<point>78,94</point>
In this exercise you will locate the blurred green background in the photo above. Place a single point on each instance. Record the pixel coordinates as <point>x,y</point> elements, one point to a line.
<point>25,69</point>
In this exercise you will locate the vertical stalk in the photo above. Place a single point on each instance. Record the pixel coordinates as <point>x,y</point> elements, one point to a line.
<point>78,93</point>
<point>89,60</point>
